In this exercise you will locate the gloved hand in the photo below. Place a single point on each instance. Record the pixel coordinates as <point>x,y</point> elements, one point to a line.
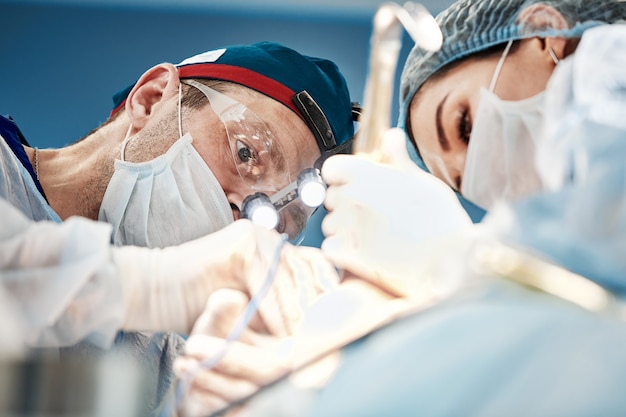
<point>382,216</point>
<point>238,367</point>
<point>167,289</point>
<point>216,370</point>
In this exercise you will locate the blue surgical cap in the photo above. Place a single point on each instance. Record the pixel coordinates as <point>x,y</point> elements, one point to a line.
<point>278,72</point>
<point>471,26</point>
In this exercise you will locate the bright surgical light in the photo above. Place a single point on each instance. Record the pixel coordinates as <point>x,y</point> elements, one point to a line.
<point>312,194</point>
<point>265,216</point>
<point>311,188</point>
<point>421,26</point>
<point>290,207</point>
<point>259,209</point>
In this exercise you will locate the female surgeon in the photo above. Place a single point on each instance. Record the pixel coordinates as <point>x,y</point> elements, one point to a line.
<point>522,112</point>
<point>533,90</point>
<point>473,113</point>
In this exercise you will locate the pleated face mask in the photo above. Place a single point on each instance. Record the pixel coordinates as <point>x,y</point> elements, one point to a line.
<point>169,200</point>
<point>500,160</point>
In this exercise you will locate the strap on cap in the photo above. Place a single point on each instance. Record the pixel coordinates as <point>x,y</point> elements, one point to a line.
<point>316,120</point>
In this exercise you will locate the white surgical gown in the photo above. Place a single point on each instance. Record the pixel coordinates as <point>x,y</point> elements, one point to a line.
<point>60,274</point>
<point>61,289</point>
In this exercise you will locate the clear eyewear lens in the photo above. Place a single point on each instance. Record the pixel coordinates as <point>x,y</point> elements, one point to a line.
<point>256,153</point>
<point>293,219</point>
<point>258,157</point>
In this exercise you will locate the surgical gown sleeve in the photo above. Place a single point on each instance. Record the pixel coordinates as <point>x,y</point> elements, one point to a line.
<point>61,278</point>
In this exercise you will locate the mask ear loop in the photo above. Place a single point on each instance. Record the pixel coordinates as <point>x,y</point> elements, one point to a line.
<point>125,141</point>
<point>496,73</point>
<point>553,56</point>
<point>180,110</point>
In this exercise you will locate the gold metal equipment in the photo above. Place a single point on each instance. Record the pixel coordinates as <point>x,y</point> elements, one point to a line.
<point>385,44</point>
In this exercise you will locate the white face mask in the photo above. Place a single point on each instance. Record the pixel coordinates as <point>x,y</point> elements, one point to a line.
<point>169,200</point>
<point>500,159</point>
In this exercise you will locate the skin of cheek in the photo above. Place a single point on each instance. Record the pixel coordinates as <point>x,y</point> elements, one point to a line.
<point>437,167</point>
<point>156,137</point>
<point>211,142</point>
<point>426,138</point>
<point>525,73</point>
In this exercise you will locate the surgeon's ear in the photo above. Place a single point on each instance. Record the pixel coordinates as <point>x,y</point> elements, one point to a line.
<point>154,87</point>
<point>542,17</point>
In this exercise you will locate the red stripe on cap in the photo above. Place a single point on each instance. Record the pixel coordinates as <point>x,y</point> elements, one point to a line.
<point>239,75</point>
<point>243,76</point>
<point>118,108</point>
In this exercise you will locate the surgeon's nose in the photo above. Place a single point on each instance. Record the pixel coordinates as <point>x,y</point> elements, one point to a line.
<point>236,211</point>
<point>235,199</point>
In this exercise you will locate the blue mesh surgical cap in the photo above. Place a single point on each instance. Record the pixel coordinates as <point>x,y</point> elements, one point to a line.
<point>313,88</point>
<point>471,26</point>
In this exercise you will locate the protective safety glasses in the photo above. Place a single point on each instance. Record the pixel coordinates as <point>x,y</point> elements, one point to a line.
<point>257,154</point>
<point>262,164</point>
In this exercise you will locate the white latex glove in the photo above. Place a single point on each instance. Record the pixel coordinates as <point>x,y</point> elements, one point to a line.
<point>167,289</point>
<point>381,215</point>
<point>220,366</point>
<point>241,366</point>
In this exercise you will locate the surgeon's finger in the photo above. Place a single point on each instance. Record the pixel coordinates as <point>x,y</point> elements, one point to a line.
<point>198,404</point>
<point>357,193</point>
<point>201,404</point>
<point>222,309</point>
<point>329,225</point>
<point>302,275</point>
<point>223,312</point>
<point>323,271</point>
<point>342,220</point>
<point>195,402</point>
<point>342,169</point>
<point>236,359</point>
<point>212,382</point>
<point>335,197</point>
<point>342,252</point>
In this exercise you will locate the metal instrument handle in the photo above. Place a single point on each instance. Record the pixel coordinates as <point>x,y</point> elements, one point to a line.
<point>385,44</point>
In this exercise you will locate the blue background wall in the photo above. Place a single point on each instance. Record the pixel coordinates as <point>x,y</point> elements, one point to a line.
<point>61,64</point>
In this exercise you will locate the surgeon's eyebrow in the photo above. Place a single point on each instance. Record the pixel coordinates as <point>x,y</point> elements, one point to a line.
<point>443,140</point>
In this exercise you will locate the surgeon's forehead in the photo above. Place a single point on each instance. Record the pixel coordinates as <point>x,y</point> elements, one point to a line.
<point>294,136</point>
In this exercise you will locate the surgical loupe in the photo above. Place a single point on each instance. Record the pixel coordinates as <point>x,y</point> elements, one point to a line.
<point>293,204</point>
<point>289,209</point>
<point>259,208</point>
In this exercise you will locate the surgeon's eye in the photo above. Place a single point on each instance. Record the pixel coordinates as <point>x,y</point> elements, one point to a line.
<point>251,164</point>
<point>243,152</point>
<point>465,126</point>
<point>246,154</point>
